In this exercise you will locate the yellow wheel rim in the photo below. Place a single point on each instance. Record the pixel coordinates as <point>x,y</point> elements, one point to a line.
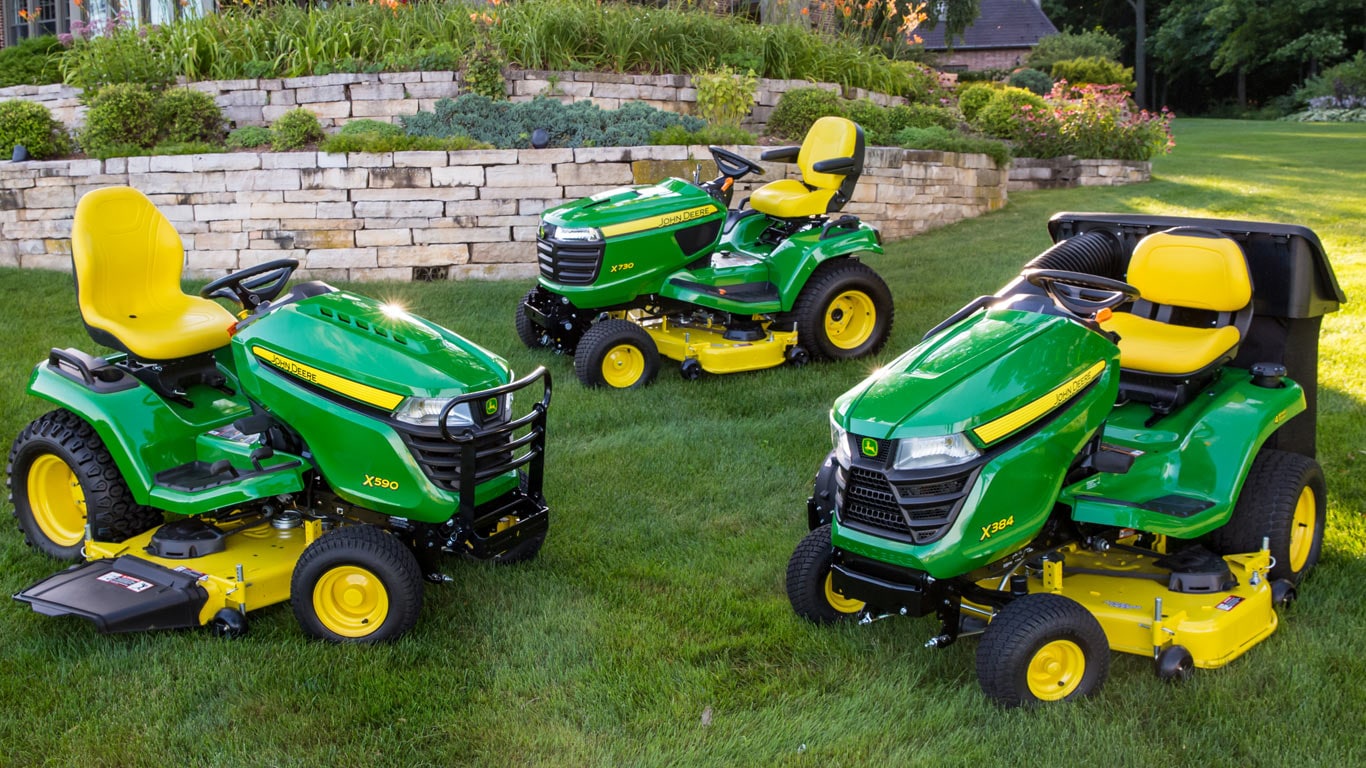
<point>1056,670</point>
<point>840,602</point>
<point>849,319</point>
<point>1302,529</point>
<point>57,500</point>
<point>623,366</point>
<point>350,601</point>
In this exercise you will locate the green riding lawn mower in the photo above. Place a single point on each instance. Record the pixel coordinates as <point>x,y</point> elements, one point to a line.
<point>630,274</point>
<point>319,447</point>
<point>1113,452</point>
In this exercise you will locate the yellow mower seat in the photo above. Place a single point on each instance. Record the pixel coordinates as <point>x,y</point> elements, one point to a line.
<point>1183,270</point>
<point>830,138</point>
<point>128,261</point>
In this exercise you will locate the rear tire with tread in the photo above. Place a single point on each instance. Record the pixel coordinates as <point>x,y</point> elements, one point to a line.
<point>1283,499</point>
<point>827,328</point>
<point>54,523</point>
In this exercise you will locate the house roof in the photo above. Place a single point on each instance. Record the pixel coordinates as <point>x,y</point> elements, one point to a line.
<point>1001,24</point>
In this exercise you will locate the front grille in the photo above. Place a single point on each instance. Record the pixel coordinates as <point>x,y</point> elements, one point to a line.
<point>569,263</point>
<point>917,511</point>
<point>440,458</point>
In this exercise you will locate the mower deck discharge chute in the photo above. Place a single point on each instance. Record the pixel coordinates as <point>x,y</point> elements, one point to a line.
<point>320,447</point>
<point>635,273</point>
<point>1113,452</point>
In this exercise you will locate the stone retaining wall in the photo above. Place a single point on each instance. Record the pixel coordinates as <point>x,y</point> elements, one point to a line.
<point>335,99</point>
<point>1027,173</point>
<point>424,215</point>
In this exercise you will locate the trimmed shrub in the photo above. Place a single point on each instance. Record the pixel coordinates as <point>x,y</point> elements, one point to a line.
<point>295,129</point>
<point>1002,116</point>
<point>32,125</point>
<point>1094,71</point>
<point>1073,45</point>
<point>32,61</point>
<point>712,134</point>
<point>904,116</point>
<point>799,108</point>
<point>186,116</point>
<point>121,116</point>
<point>943,140</point>
<point>581,124</point>
<point>1031,79</point>
<point>872,118</point>
<point>1092,121</point>
<point>248,137</point>
<point>379,136</point>
<point>973,98</point>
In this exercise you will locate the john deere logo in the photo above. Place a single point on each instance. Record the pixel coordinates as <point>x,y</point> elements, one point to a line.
<point>491,406</point>
<point>869,447</point>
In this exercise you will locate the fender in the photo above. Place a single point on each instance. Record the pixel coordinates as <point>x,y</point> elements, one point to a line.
<point>1205,461</point>
<point>146,435</point>
<point>798,256</point>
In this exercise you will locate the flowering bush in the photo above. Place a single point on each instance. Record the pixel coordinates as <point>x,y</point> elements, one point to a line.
<point>1093,121</point>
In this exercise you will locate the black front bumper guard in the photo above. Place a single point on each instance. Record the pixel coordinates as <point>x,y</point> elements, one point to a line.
<point>493,450</point>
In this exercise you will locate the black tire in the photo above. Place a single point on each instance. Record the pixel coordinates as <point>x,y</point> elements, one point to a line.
<point>1174,664</point>
<point>824,301</point>
<point>808,582</point>
<point>618,354</point>
<point>528,331</point>
<point>1039,648</point>
<point>1284,499</point>
<point>342,578</point>
<point>53,519</point>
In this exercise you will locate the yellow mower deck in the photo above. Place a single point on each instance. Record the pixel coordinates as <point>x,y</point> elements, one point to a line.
<point>122,587</point>
<point>1122,589</point>
<point>710,347</point>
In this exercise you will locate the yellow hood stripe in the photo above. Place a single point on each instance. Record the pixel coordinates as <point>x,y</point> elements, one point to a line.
<point>352,389</point>
<point>655,222</point>
<point>998,428</point>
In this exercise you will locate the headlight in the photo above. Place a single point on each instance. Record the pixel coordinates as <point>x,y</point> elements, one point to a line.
<point>424,411</point>
<point>578,234</point>
<point>929,452</point>
<point>840,438</point>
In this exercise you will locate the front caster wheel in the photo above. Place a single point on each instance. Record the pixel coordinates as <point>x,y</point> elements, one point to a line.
<point>1174,664</point>
<point>1042,647</point>
<point>356,584</point>
<point>617,354</point>
<point>690,369</point>
<point>809,583</point>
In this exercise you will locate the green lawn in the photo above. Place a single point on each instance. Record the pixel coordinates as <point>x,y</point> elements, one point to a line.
<point>654,629</point>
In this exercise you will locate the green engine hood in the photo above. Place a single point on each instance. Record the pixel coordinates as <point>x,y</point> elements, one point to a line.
<point>985,377</point>
<point>626,210</point>
<point>343,337</point>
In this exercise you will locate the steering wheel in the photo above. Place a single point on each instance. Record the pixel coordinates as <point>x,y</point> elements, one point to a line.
<point>732,165</point>
<point>253,286</point>
<point>1080,293</point>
